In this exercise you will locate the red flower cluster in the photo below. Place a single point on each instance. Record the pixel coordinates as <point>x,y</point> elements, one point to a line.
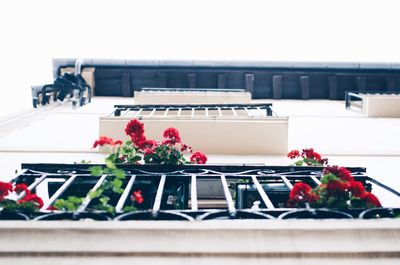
<point>171,136</point>
<point>293,154</point>
<point>169,151</point>
<point>134,127</point>
<point>6,188</point>
<point>198,158</point>
<point>308,157</point>
<point>104,140</point>
<point>137,197</point>
<point>33,198</point>
<point>340,172</point>
<point>135,130</point>
<point>338,190</point>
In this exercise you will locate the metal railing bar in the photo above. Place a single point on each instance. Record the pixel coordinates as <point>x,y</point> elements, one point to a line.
<point>192,112</point>
<point>228,196</point>
<point>58,192</point>
<point>262,193</point>
<point>125,112</point>
<point>384,186</point>
<point>152,112</point>
<point>315,179</point>
<point>193,193</point>
<point>160,190</point>
<point>33,185</point>
<point>179,111</point>
<point>206,111</point>
<point>287,182</point>
<point>219,111</point>
<point>234,111</point>
<point>138,112</point>
<point>248,112</point>
<point>125,194</point>
<point>260,111</point>
<point>87,199</point>
<point>166,112</point>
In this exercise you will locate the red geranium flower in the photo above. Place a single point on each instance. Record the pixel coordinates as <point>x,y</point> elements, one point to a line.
<point>323,161</point>
<point>137,197</point>
<point>371,199</point>
<point>299,192</point>
<point>5,189</point>
<point>148,144</point>
<point>336,187</point>
<point>134,127</point>
<point>293,154</point>
<point>356,188</point>
<point>34,199</point>
<point>21,188</point>
<point>198,158</point>
<point>340,172</point>
<point>308,153</point>
<point>138,139</point>
<point>185,147</point>
<point>103,140</point>
<point>148,151</point>
<point>172,136</point>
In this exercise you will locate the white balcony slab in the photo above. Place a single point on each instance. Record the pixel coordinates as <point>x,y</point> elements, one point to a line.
<point>226,242</point>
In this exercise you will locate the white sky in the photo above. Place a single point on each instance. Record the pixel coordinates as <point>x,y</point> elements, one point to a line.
<point>33,32</point>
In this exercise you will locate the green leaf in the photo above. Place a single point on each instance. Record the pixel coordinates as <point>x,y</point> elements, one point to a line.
<point>136,158</point>
<point>117,183</point>
<point>96,171</point>
<point>299,163</point>
<point>110,164</point>
<point>95,194</point>
<point>129,208</point>
<point>326,178</point>
<point>119,173</point>
<point>75,199</point>
<point>104,200</point>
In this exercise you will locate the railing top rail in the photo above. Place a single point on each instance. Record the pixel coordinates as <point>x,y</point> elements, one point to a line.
<point>192,169</point>
<point>195,106</point>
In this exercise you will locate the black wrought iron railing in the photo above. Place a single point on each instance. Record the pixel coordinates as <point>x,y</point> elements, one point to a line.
<point>190,192</point>
<point>259,110</point>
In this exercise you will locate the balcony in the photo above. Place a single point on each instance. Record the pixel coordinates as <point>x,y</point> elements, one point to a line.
<point>235,129</point>
<point>191,192</point>
<point>375,104</point>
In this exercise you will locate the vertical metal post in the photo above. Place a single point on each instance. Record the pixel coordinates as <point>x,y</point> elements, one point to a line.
<point>160,190</point>
<point>193,193</point>
<point>125,194</point>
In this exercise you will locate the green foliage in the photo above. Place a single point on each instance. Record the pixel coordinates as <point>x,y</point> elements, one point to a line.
<point>328,177</point>
<point>12,206</point>
<point>72,203</point>
<point>111,185</point>
<point>166,155</point>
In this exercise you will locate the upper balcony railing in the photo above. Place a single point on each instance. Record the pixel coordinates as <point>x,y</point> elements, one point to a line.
<point>190,192</point>
<point>214,111</point>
